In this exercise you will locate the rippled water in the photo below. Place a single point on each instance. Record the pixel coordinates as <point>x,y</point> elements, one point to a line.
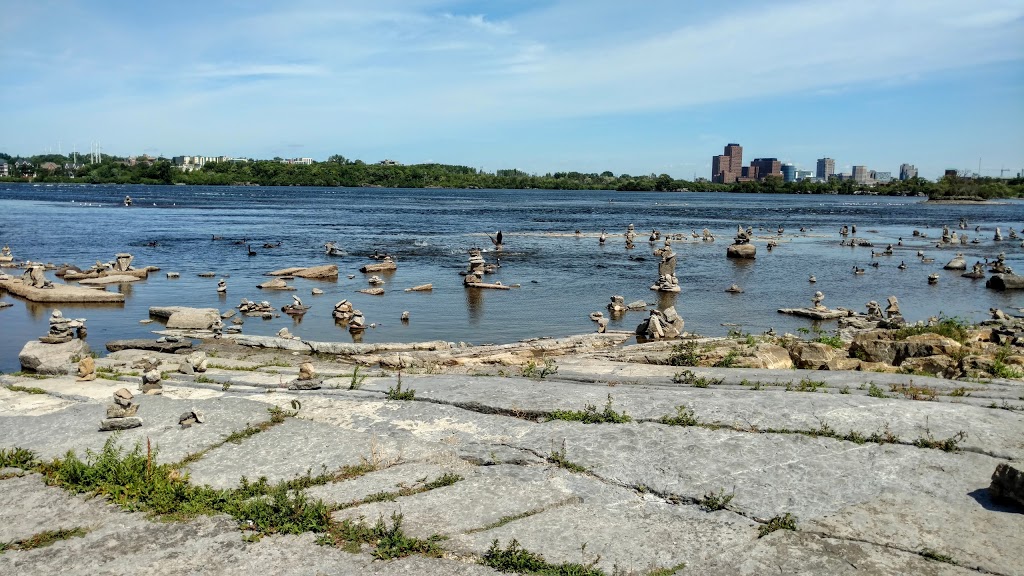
<point>563,277</point>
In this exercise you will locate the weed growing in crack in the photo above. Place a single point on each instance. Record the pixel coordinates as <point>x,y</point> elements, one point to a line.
<point>685,354</point>
<point>934,555</point>
<point>43,539</point>
<point>558,457</point>
<point>17,458</point>
<point>716,500</point>
<point>590,415</point>
<point>515,558</point>
<point>356,382</point>
<point>876,392</point>
<point>396,392</point>
<point>684,417</point>
<point>784,522</point>
<point>688,378</point>
<point>911,392</point>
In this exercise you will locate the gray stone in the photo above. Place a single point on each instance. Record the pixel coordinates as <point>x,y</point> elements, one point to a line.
<point>117,411</point>
<point>52,358</point>
<point>108,424</point>
<point>1008,484</point>
<point>150,345</point>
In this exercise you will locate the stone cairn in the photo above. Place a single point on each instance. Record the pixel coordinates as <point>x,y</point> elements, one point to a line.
<point>667,281</point>
<point>661,324</point>
<point>741,246</point>
<point>307,380</point>
<point>123,262</point>
<point>262,309</point>
<point>874,310</point>
<point>892,312</point>
<point>343,312</point>
<point>151,383</point>
<point>195,362</point>
<point>477,268</point>
<point>63,329</point>
<point>5,254</point>
<point>999,266</point>
<point>34,277</point>
<point>222,287</point>
<point>816,302</point>
<point>121,414</point>
<point>630,236</point>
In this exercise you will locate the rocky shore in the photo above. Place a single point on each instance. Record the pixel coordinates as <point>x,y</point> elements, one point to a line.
<point>827,454</point>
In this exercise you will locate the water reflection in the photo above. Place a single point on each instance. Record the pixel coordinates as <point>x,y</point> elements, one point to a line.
<point>475,305</point>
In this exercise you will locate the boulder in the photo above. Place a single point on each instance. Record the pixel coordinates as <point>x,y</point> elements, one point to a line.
<point>767,356</point>
<point>937,365</point>
<point>52,358</point>
<point>1005,282</point>
<point>194,319</point>
<point>1008,484</point>
<point>275,284</point>
<point>814,355</point>
<point>743,251</point>
<point>842,364</point>
<point>928,345</point>
<point>325,272</point>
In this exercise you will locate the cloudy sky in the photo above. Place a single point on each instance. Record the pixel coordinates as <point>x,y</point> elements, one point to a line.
<point>649,86</point>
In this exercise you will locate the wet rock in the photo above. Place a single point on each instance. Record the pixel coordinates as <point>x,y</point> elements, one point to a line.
<point>1005,282</point>
<point>741,251</point>
<point>148,345</point>
<point>275,284</point>
<point>325,272</point>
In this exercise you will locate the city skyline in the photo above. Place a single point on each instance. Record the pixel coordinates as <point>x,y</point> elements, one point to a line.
<point>541,86</point>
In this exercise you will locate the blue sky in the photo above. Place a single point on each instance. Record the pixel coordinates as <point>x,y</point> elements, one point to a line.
<point>591,85</point>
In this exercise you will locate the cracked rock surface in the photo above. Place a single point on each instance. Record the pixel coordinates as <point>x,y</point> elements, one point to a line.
<point>866,478</point>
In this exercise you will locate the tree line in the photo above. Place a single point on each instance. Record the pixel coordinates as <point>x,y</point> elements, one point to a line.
<point>340,171</point>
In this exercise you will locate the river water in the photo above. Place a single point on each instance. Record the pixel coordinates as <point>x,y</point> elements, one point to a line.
<point>563,276</point>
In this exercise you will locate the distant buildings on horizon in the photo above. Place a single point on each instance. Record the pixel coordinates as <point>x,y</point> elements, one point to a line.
<point>728,168</point>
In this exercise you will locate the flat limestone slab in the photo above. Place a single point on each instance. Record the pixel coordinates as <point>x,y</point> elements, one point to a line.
<point>641,536</point>
<point>787,552</point>
<point>60,293</point>
<point>113,279</point>
<point>995,432</point>
<point>77,427</point>
<point>770,473</point>
<point>24,403</point>
<point>475,502</point>
<point>295,447</point>
<point>976,534</point>
<point>387,480</point>
<point>118,542</point>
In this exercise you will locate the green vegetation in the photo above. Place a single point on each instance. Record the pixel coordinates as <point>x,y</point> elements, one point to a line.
<point>687,377</point>
<point>950,327</point>
<point>806,385</point>
<point>341,171</point>
<point>876,391</point>
<point>17,458</point>
<point>685,354</point>
<point>1000,369</point>
<point>785,522</point>
<point>729,360</point>
<point>558,458</point>
<point>716,500</point>
<point>911,392</point>
<point>396,392</point>
<point>590,415</point>
<point>933,555</point>
<point>534,370</point>
<point>514,558</point>
<point>43,539</point>
<point>684,417</point>
<point>356,382</point>
<point>26,389</point>
<point>951,444</point>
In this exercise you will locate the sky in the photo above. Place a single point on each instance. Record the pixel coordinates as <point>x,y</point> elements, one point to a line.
<point>653,86</point>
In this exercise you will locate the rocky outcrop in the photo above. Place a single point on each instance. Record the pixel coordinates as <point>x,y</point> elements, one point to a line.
<point>58,293</point>
<point>813,355</point>
<point>184,318</point>
<point>741,251</point>
<point>879,346</point>
<point>1005,282</point>
<point>52,358</point>
<point>1008,484</point>
<point>149,345</point>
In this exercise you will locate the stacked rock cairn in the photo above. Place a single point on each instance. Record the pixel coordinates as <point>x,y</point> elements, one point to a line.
<point>121,414</point>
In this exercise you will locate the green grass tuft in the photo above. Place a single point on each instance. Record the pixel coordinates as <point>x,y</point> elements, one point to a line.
<point>784,522</point>
<point>514,558</point>
<point>590,415</point>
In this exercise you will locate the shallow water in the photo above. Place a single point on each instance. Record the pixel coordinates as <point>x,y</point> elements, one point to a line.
<point>563,277</point>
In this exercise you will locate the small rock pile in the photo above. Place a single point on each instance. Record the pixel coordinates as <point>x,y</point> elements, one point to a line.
<point>343,311</point>
<point>121,414</point>
<point>191,417</point>
<point>263,308</point>
<point>63,329</point>
<point>86,369</point>
<point>661,324</point>
<point>151,383</point>
<point>307,379</point>
<point>193,363</point>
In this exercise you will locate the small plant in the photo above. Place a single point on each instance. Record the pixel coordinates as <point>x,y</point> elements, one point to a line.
<point>43,539</point>
<point>844,390</point>
<point>396,392</point>
<point>514,558</point>
<point>912,392</point>
<point>202,379</point>
<point>716,500</point>
<point>225,386</point>
<point>17,458</point>
<point>884,436</point>
<point>549,368</point>
<point>832,340</point>
<point>876,392</point>
<point>685,354</point>
<point>1000,369</point>
<point>951,444</point>
<point>687,377</point>
<point>755,385</point>
<point>684,417</point>
<point>590,415</point>
<point>356,382</point>
<point>959,392</point>
<point>955,328</point>
<point>934,555</point>
<point>785,522</point>
<point>26,389</point>
<point>728,360</point>
<point>806,385</point>
<point>558,458</point>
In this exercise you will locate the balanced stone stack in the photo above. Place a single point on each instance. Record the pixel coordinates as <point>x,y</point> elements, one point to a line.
<point>151,383</point>
<point>63,329</point>
<point>343,311</point>
<point>86,369</point>
<point>121,414</point>
<point>307,379</point>
<point>661,324</point>
<point>193,363</point>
